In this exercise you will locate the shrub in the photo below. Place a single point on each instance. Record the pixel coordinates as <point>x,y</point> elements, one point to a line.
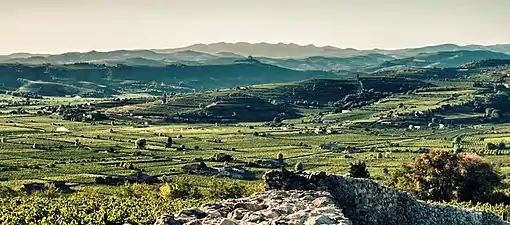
<point>6,192</point>
<point>141,143</point>
<point>359,170</point>
<point>225,190</point>
<point>169,142</point>
<point>299,167</point>
<point>179,188</point>
<point>280,157</point>
<point>444,176</point>
<point>135,190</point>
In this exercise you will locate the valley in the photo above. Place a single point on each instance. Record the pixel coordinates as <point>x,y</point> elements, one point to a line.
<point>184,134</point>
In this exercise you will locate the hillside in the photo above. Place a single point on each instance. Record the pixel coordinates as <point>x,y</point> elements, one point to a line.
<point>188,57</point>
<point>442,59</point>
<point>260,103</point>
<point>172,78</point>
<point>330,63</point>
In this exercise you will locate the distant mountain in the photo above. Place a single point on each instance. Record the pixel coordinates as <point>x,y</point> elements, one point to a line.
<point>291,50</point>
<point>292,56</point>
<point>330,63</point>
<point>279,50</point>
<point>442,59</point>
<point>190,57</point>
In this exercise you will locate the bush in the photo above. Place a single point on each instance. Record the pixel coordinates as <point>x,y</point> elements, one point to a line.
<point>6,192</point>
<point>444,176</point>
<point>141,143</point>
<point>135,190</point>
<point>179,188</point>
<point>169,142</point>
<point>299,167</point>
<point>225,190</point>
<point>359,170</point>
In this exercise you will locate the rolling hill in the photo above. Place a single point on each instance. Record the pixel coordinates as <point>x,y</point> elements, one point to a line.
<point>442,59</point>
<point>171,78</point>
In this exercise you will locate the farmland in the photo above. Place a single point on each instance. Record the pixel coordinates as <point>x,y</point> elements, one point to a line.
<point>34,147</point>
<point>157,153</point>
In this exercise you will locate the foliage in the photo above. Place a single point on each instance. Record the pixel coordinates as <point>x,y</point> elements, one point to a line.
<point>180,188</point>
<point>299,167</point>
<point>359,170</point>
<point>141,143</point>
<point>89,208</point>
<point>443,176</point>
<point>225,190</point>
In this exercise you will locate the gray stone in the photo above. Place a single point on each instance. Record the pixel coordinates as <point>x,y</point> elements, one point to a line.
<point>167,219</point>
<point>319,220</point>
<point>226,221</point>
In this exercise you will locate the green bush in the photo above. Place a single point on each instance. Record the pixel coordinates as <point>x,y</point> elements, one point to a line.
<point>444,176</point>
<point>226,190</point>
<point>359,170</point>
<point>179,188</point>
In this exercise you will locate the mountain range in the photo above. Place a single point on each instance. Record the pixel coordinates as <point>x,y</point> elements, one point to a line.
<point>289,56</point>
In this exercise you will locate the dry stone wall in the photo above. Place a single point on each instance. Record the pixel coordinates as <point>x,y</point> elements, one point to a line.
<point>320,198</point>
<point>267,208</point>
<point>365,202</point>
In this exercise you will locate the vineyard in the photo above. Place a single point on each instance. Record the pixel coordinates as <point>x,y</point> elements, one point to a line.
<point>64,146</point>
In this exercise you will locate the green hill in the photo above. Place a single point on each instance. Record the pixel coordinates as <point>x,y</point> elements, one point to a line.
<point>442,59</point>
<point>172,78</point>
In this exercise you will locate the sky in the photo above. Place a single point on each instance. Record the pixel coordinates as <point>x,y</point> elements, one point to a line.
<point>56,26</point>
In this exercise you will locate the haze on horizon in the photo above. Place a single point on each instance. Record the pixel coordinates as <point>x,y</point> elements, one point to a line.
<point>56,26</point>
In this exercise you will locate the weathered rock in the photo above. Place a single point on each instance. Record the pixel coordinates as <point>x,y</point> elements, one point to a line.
<point>196,213</point>
<point>226,221</point>
<point>167,219</point>
<point>322,219</point>
<point>270,207</point>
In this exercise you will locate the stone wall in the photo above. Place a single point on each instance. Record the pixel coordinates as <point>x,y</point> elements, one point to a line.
<point>365,202</point>
<point>295,207</point>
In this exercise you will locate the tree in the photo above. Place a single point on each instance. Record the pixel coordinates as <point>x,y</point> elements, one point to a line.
<point>299,167</point>
<point>385,171</point>
<point>141,143</point>
<point>359,170</point>
<point>164,99</point>
<point>457,140</point>
<point>280,158</point>
<point>496,114</point>
<point>445,176</point>
<point>169,142</point>
<point>488,112</point>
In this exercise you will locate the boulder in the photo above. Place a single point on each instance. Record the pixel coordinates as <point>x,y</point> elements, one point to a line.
<point>167,219</point>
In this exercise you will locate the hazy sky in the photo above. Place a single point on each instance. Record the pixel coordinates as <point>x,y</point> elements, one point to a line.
<point>53,26</point>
